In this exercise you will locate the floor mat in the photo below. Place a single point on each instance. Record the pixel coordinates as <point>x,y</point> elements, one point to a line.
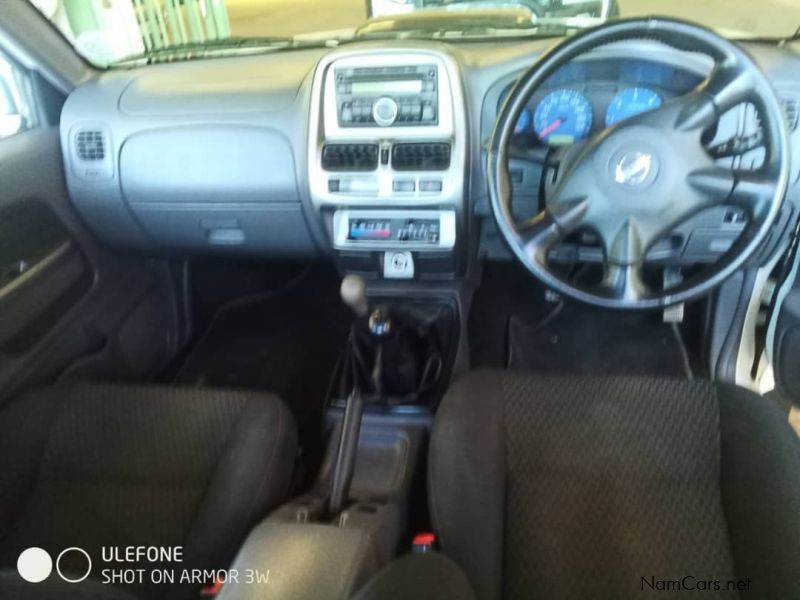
<point>511,325</point>
<point>506,289</point>
<point>583,340</point>
<point>286,342</point>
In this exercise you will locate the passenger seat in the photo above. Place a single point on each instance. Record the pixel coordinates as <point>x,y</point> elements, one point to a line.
<point>94,465</point>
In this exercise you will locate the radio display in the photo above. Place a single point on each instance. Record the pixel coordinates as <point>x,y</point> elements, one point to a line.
<point>375,88</point>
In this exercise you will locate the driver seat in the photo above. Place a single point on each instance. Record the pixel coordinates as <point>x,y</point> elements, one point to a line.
<point>549,487</point>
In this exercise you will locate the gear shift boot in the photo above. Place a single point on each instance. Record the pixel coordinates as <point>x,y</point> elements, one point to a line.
<point>396,355</point>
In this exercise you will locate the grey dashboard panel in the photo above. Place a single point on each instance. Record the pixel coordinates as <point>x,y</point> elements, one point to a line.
<point>206,164</point>
<point>201,156</point>
<point>270,84</point>
<point>212,154</point>
<point>277,229</point>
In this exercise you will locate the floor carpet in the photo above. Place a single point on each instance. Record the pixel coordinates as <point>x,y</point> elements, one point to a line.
<point>511,325</point>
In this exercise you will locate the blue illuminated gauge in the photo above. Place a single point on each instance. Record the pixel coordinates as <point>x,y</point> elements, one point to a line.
<point>630,102</point>
<point>563,117</point>
<point>524,121</point>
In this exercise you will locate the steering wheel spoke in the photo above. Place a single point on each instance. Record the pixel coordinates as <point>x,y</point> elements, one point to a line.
<point>627,245</point>
<point>753,191</point>
<point>728,85</point>
<point>537,235</point>
<point>535,154</point>
<point>624,256</point>
<point>624,282</point>
<point>749,190</point>
<point>713,182</point>
<point>540,233</point>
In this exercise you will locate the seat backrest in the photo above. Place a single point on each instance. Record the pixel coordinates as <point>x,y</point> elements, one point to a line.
<point>559,487</point>
<point>97,466</point>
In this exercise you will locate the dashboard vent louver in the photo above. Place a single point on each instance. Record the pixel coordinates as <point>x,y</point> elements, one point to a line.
<point>90,145</point>
<point>421,157</point>
<point>792,107</point>
<point>350,157</point>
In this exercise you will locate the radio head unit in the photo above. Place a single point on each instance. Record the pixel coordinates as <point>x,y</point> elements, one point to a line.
<point>387,96</point>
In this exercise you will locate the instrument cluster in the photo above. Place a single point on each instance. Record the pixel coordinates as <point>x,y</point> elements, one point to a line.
<point>567,115</point>
<point>585,98</point>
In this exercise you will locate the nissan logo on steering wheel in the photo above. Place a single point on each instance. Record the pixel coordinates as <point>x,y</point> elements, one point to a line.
<point>633,168</point>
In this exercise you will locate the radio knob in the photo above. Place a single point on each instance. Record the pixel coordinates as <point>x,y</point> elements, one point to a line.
<point>384,111</point>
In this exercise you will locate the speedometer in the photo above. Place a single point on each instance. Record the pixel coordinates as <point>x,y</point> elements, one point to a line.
<point>630,102</point>
<point>563,117</point>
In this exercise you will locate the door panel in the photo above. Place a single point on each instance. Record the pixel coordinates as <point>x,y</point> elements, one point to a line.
<point>783,334</point>
<point>39,295</point>
<point>66,301</point>
<point>42,273</point>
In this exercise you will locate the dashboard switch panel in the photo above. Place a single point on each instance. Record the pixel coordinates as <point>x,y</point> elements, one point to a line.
<point>428,230</point>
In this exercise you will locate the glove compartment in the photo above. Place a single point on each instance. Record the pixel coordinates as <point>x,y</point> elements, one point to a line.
<point>230,187</point>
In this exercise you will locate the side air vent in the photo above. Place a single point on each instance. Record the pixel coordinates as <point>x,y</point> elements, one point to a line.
<point>90,145</point>
<point>350,157</point>
<point>791,104</point>
<point>92,152</point>
<point>421,157</point>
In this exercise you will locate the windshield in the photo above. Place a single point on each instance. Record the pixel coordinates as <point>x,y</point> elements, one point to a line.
<point>109,32</point>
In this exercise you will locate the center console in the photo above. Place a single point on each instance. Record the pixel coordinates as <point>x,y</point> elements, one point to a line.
<point>387,159</point>
<point>387,166</point>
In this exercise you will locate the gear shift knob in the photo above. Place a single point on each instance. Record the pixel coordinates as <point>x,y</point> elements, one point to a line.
<point>354,294</point>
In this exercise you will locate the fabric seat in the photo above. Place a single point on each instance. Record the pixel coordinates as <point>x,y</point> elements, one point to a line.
<point>95,466</point>
<point>548,487</point>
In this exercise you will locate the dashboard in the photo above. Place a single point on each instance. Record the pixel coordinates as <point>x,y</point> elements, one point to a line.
<point>371,153</point>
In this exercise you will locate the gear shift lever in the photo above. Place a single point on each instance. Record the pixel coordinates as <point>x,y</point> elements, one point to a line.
<point>354,294</point>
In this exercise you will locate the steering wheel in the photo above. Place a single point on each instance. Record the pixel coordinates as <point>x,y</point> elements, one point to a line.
<point>636,181</point>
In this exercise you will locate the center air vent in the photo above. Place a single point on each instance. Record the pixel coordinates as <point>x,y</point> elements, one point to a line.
<point>90,145</point>
<point>350,157</point>
<point>791,104</point>
<point>421,157</point>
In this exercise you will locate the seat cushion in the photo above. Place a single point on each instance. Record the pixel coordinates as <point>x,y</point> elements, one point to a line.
<point>12,586</point>
<point>110,465</point>
<point>430,576</point>
<point>566,487</point>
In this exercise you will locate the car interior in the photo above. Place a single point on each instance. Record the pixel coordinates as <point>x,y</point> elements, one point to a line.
<point>474,300</point>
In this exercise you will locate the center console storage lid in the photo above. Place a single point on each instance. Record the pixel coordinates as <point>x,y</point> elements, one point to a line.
<point>306,561</point>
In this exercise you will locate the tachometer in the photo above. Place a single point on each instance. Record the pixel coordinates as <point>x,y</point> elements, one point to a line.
<point>630,102</point>
<point>563,117</point>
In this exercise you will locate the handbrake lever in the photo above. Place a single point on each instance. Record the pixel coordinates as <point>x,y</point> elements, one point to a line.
<point>354,294</point>
<point>380,326</point>
<point>345,465</point>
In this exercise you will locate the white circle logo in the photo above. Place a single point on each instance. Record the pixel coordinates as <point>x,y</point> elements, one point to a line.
<point>34,565</point>
<point>633,168</point>
<point>88,567</point>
